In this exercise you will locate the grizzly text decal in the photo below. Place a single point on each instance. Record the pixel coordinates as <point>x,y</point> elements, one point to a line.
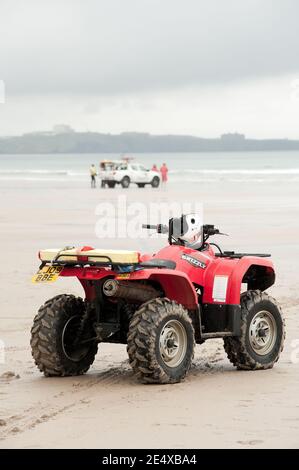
<point>195,262</point>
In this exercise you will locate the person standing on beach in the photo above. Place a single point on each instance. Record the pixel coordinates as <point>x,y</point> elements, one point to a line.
<point>164,171</point>
<point>93,174</point>
<point>155,168</point>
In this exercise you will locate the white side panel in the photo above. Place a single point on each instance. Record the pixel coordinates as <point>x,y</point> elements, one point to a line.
<point>220,288</point>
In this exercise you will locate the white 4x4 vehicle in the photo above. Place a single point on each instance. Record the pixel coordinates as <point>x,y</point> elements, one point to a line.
<point>125,173</point>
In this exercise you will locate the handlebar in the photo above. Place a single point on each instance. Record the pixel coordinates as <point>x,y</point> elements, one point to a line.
<point>210,230</point>
<point>160,228</point>
<point>148,226</point>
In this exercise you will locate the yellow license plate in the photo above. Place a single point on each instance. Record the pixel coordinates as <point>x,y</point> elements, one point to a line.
<point>47,274</point>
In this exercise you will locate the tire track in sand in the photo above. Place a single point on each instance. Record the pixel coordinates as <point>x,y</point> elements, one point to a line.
<point>75,395</point>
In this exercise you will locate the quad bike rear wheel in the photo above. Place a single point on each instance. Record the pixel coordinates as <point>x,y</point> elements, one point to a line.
<point>161,342</point>
<point>262,333</point>
<point>59,342</point>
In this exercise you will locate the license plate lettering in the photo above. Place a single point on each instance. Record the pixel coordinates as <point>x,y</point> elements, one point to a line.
<point>47,274</point>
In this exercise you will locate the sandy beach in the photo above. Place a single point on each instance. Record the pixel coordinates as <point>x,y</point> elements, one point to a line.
<point>216,406</point>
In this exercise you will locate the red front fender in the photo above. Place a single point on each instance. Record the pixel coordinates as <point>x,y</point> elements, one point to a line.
<point>263,281</point>
<point>235,271</point>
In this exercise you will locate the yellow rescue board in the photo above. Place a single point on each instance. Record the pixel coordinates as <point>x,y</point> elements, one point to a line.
<point>96,255</point>
<point>47,274</point>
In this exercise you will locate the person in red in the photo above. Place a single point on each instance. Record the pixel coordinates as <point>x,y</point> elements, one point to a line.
<point>155,168</point>
<point>164,171</point>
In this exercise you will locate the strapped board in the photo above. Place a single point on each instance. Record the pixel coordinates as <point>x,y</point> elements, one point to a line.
<point>93,255</point>
<point>54,260</point>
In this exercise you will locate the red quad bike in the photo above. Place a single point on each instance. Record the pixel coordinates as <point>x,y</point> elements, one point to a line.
<point>160,305</point>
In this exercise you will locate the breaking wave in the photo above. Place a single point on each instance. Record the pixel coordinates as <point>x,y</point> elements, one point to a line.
<point>187,175</point>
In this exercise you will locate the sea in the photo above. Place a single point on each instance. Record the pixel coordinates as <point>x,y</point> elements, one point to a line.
<point>231,167</point>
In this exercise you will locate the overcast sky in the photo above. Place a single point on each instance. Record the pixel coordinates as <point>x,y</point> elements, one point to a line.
<point>160,66</point>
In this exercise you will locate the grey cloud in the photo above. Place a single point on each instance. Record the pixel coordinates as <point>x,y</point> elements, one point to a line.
<point>123,46</point>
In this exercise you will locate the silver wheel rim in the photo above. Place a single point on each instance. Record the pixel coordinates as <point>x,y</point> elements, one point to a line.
<point>262,332</point>
<point>173,343</point>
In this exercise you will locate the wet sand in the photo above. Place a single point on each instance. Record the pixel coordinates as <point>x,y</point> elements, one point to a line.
<point>216,406</point>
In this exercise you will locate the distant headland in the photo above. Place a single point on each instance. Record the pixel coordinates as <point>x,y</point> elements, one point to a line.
<point>63,139</point>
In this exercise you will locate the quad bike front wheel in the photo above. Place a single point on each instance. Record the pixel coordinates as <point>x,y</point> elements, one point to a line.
<point>161,342</point>
<point>60,340</point>
<point>262,333</point>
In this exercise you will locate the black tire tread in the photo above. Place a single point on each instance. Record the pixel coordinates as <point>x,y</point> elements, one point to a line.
<point>155,178</point>
<point>235,347</point>
<point>122,182</point>
<point>141,339</point>
<point>45,331</point>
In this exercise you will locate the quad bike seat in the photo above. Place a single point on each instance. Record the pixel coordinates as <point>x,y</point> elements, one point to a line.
<point>93,255</point>
<point>159,263</point>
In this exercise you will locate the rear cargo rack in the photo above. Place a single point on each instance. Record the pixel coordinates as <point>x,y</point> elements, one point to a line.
<point>106,261</point>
